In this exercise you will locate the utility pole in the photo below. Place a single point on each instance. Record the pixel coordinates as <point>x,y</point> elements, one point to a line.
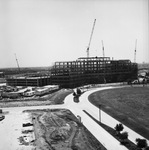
<point>135,51</point>
<point>90,38</point>
<point>103,49</point>
<point>100,113</point>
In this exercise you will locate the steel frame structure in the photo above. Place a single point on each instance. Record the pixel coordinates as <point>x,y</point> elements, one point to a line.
<point>92,70</point>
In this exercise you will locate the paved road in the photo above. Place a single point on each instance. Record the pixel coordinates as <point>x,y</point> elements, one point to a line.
<point>77,109</point>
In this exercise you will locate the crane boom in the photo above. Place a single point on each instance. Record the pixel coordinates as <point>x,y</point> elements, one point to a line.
<point>135,51</point>
<point>17,63</point>
<point>90,38</point>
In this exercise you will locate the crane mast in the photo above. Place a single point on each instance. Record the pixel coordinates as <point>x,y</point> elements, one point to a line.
<point>103,49</point>
<point>17,63</point>
<point>135,51</point>
<point>90,38</point>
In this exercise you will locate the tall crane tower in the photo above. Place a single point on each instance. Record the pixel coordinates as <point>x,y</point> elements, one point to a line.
<point>17,63</point>
<point>103,49</point>
<point>135,51</point>
<point>90,38</point>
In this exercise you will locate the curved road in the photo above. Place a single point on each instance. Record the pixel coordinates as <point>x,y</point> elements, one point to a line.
<point>105,118</point>
<point>77,109</point>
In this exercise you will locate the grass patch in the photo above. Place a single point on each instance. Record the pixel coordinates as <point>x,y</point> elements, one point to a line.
<point>129,105</point>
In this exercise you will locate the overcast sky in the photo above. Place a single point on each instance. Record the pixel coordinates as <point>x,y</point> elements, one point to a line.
<point>41,32</point>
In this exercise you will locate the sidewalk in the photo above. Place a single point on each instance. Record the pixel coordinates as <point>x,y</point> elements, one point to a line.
<point>108,141</point>
<point>106,119</point>
<point>97,131</point>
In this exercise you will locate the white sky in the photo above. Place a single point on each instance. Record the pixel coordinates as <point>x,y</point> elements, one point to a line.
<point>41,32</point>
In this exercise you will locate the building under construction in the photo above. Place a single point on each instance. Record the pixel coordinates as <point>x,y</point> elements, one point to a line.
<point>83,71</point>
<point>92,70</point>
<point>28,80</point>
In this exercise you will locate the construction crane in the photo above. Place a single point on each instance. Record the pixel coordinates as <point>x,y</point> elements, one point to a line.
<point>90,38</point>
<point>103,49</point>
<point>135,51</point>
<point>17,63</point>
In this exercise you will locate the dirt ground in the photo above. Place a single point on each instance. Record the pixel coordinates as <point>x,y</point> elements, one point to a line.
<point>53,129</point>
<point>129,105</point>
<point>61,130</point>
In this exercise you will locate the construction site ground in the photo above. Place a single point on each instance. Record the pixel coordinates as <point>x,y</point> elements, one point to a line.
<point>59,129</point>
<point>56,129</point>
<point>49,99</point>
